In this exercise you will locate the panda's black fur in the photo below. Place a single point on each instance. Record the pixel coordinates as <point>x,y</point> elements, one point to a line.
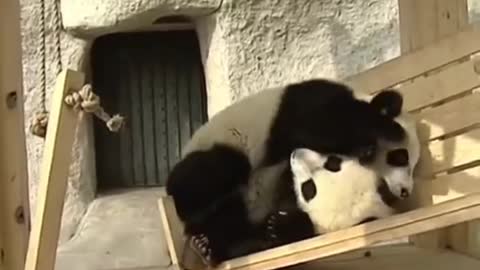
<point>209,183</point>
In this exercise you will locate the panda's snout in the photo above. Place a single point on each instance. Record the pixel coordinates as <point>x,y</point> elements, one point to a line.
<point>404,193</point>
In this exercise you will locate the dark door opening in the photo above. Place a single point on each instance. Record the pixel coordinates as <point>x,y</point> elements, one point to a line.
<point>155,80</point>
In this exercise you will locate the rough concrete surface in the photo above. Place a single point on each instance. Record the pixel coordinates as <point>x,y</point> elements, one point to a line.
<point>246,46</point>
<point>120,230</point>
<point>97,17</point>
<point>81,183</point>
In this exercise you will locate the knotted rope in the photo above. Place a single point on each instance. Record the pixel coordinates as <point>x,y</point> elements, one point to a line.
<point>85,100</point>
<point>38,125</point>
<point>89,102</point>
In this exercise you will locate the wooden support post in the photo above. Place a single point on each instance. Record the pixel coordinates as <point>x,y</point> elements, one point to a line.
<point>62,125</point>
<point>426,21</point>
<point>422,23</point>
<point>14,209</point>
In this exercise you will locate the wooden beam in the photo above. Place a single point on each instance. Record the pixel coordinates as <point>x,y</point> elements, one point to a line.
<point>62,124</point>
<point>173,229</point>
<point>451,48</point>
<point>422,23</point>
<point>397,257</point>
<point>364,235</point>
<point>426,21</point>
<point>14,205</point>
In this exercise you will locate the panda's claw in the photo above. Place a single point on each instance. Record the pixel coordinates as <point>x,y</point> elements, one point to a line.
<point>271,220</point>
<point>276,225</point>
<point>200,245</point>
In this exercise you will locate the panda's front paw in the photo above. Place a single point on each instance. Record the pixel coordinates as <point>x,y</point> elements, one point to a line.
<point>200,245</point>
<point>278,225</point>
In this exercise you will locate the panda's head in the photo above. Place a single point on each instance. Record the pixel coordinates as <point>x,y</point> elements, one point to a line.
<point>396,160</point>
<point>311,169</point>
<point>336,191</point>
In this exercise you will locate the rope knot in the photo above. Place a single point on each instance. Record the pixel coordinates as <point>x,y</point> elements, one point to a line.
<point>38,126</point>
<point>85,99</point>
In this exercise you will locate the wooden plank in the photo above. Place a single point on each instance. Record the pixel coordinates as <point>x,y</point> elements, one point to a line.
<point>442,155</point>
<point>399,257</point>
<point>14,204</point>
<point>462,237</point>
<point>448,187</point>
<point>423,22</point>
<point>419,18</point>
<point>449,118</point>
<point>431,89</point>
<point>413,64</point>
<point>401,225</point>
<point>395,258</point>
<point>62,124</point>
<point>173,229</point>
<point>182,255</point>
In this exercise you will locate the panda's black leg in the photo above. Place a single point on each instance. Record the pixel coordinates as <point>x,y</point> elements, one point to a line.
<point>202,178</point>
<point>225,232</point>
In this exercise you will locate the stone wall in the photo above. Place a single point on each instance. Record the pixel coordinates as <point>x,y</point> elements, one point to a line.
<point>246,46</point>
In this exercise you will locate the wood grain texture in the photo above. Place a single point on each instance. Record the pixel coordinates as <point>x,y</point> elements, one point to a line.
<point>399,257</point>
<point>14,205</point>
<point>401,225</point>
<point>62,125</point>
<point>414,64</point>
<point>433,23</point>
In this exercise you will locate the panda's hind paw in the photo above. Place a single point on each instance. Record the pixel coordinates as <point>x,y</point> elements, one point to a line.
<point>277,223</point>
<point>200,245</point>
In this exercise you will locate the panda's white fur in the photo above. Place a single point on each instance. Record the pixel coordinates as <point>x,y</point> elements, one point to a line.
<point>259,196</point>
<point>397,178</point>
<point>350,196</point>
<point>344,198</point>
<point>244,125</point>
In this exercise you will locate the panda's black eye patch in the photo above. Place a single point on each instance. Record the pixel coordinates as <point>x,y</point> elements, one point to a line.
<point>398,158</point>
<point>309,190</point>
<point>333,164</point>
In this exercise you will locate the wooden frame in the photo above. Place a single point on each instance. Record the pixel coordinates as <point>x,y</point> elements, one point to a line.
<point>14,205</point>
<point>438,79</point>
<point>62,125</point>
<point>439,82</point>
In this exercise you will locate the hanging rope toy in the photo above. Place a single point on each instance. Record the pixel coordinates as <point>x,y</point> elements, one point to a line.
<point>89,102</point>
<point>38,126</point>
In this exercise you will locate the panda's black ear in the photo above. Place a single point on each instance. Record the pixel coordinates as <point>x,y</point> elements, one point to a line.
<point>388,102</point>
<point>333,164</point>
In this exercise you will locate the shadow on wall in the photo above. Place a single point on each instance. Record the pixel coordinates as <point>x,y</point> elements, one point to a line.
<point>363,54</point>
<point>359,57</point>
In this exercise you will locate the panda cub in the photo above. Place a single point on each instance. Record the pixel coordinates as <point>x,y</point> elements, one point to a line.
<point>336,192</point>
<point>209,184</point>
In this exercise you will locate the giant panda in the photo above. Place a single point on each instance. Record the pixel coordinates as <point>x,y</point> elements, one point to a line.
<point>208,185</point>
<point>335,192</point>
